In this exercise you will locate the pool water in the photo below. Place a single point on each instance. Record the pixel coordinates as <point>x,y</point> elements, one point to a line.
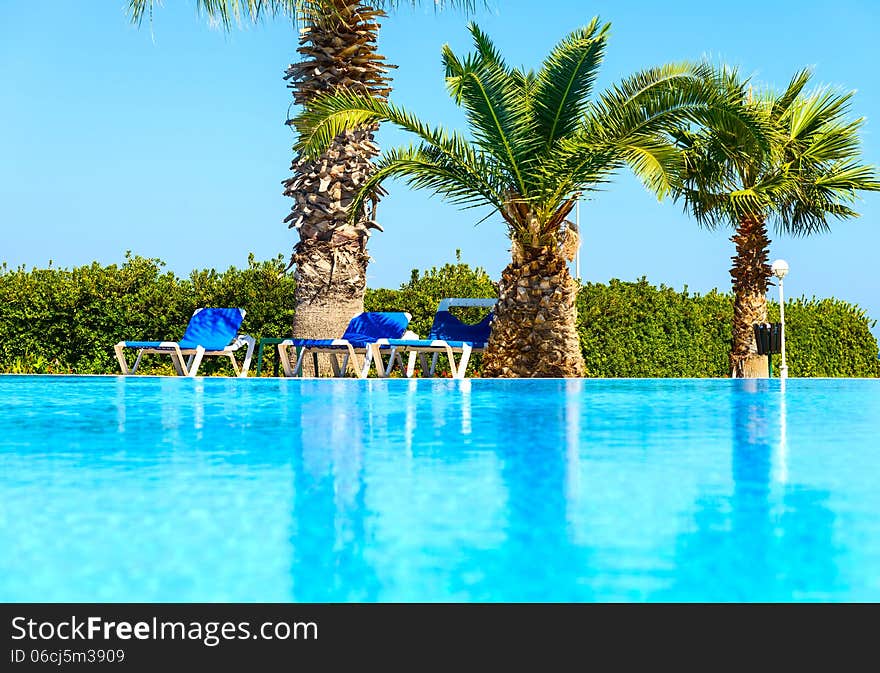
<point>168,489</point>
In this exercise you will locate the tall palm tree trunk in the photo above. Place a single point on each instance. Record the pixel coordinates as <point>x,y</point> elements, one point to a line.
<point>534,332</point>
<point>331,256</point>
<point>338,43</point>
<point>750,274</point>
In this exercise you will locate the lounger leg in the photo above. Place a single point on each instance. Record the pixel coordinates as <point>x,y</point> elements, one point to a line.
<point>334,365</point>
<point>284,360</point>
<point>300,361</point>
<point>451,357</point>
<point>398,359</point>
<point>137,360</point>
<point>193,369</point>
<point>177,362</point>
<point>120,357</point>
<point>234,364</point>
<point>423,363</point>
<point>463,361</point>
<point>381,370</point>
<point>248,354</point>
<point>434,364</point>
<point>368,360</point>
<point>411,364</point>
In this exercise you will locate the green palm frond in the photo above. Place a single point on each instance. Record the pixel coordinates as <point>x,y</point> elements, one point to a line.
<point>539,141</point>
<point>656,100</point>
<point>834,141</point>
<point>664,99</point>
<point>525,80</point>
<point>781,104</point>
<point>565,81</point>
<point>469,181</point>
<point>496,104</point>
<point>637,121</point>
<point>811,114</point>
<point>223,12</point>
<point>229,12</point>
<point>654,161</point>
<point>328,116</point>
<point>799,166</point>
<point>487,53</point>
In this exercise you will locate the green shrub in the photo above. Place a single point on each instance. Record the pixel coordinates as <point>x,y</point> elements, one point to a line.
<point>637,330</point>
<point>60,321</point>
<point>827,337</point>
<point>66,321</point>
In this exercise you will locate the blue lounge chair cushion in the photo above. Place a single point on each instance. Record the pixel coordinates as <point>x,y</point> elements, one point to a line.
<point>212,328</point>
<point>447,327</point>
<point>363,329</point>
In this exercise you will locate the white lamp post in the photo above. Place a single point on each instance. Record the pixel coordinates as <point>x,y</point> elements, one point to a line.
<point>780,269</point>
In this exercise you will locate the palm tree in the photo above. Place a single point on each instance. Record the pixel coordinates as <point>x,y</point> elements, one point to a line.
<point>338,47</point>
<point>539,141</point>
<point>802,170</point>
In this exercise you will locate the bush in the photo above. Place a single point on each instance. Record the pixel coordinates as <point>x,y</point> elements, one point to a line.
<point>827,337</point>
<point>59,321</point>
<point>638,330</point>
<point>66,321</point>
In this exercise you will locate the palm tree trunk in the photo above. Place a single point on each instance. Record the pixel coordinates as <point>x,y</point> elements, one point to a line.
<point>331,256</point>
<point>750,274</point>
<point>534,333</point>
<point>338,43</point>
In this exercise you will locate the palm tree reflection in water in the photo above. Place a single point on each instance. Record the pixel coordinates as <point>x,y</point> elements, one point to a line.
<point>329,531</point>
<point>771,538</point>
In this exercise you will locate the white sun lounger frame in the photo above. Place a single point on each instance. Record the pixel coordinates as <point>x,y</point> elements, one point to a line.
<point>436,347</point>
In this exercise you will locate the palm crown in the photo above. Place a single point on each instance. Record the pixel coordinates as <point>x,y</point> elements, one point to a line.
<point>538,138</point>
<point>805,171</point>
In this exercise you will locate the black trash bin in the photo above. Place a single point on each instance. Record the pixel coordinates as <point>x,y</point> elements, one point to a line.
<point>769,337</point>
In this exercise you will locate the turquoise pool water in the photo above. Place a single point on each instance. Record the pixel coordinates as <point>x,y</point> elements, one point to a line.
<point>164,489</point>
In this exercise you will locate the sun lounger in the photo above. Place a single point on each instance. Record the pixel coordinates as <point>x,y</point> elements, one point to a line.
<point>211,331</point>
<point>448,335</point>
<point>362,331</point>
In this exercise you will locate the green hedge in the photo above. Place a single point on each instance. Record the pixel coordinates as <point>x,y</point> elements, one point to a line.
<point>60,321</point>
<point>67,320</point>
<point>638,330</point>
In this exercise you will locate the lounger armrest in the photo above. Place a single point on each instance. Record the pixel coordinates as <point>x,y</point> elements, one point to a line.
<point>242,340</point>
<point>148,344</point>
<point>143,344</point>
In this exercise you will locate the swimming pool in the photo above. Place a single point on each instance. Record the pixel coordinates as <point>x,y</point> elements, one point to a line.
<point>170,489</point>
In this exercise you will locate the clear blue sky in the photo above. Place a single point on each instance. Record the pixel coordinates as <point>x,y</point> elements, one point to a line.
<point>172,144</point>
